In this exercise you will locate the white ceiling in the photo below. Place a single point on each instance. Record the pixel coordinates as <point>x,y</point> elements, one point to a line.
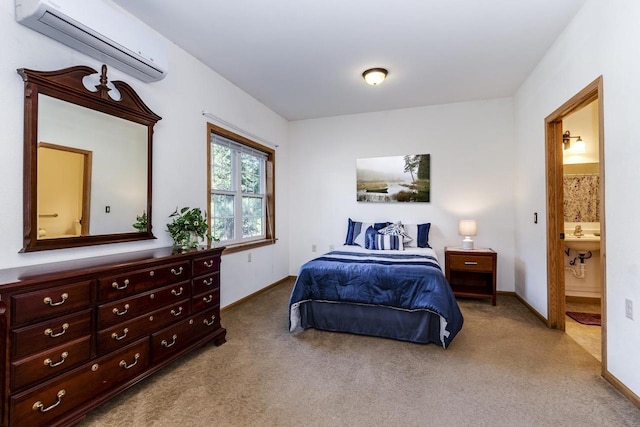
<point>304,58</point>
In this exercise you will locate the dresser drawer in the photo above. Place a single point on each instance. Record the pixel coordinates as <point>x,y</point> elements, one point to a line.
<point>206,300</point>
<point>176,337</point>
<point>205,265</point>
<point>471,263</point>
<point>41,406</point>
<point>206,283</point>
<point>50,302</point>
<point>34,339</point>
<point>128,308</point>
<point>126,284</point>
<point>114,337</point>
<point>50,362</point>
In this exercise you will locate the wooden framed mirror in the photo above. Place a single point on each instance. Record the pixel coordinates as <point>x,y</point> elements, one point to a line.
<point>87,160</point>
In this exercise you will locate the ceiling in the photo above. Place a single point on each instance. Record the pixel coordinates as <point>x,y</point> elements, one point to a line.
<point>304,58</point>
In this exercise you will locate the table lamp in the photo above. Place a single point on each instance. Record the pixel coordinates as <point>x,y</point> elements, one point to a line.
<point>467,228</point>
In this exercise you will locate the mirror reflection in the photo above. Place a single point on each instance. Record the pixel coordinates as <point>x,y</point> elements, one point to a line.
<point>88,147</point>
<point>92,171</point>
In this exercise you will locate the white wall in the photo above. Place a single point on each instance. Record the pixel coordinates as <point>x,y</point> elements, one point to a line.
<point>179,156</point>
<point>472,169</point>
<point>601,40</point>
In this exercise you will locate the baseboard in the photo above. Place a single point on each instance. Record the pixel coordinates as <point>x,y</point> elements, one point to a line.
<point>623,389</point>
<point>588,300</point>
<point>261,291</point>
<point>610,378</point>
<point>531,309</point>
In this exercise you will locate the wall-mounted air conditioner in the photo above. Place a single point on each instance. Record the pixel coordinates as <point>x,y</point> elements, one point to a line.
<point>101,31</point>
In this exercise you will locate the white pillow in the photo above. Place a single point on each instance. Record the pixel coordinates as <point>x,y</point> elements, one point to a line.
<point>411,231</point>
<point>360,238</point>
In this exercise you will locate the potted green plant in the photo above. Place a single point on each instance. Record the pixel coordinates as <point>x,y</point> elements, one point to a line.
<point>141,222</point>
<point>188,228</point>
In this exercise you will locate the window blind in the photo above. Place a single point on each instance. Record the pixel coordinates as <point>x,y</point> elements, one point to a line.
<point>240,148</point>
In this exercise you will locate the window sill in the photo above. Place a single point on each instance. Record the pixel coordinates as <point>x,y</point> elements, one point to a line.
<point>238,247</point>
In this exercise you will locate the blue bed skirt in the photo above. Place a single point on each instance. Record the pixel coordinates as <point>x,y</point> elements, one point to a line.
<point>415,326</point>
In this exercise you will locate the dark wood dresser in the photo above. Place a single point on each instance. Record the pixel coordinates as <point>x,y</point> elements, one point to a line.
<point>77,333</point>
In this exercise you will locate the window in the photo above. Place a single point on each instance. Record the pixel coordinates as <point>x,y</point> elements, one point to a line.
<point>241,202</point>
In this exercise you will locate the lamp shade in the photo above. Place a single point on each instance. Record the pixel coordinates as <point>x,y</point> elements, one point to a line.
<point>467,227</point>
<point>579,146</point>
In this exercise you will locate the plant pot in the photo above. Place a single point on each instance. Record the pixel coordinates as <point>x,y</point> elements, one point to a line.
<point>189,242</point>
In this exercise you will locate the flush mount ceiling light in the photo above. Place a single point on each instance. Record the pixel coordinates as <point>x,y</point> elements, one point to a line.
<point>374,76</point>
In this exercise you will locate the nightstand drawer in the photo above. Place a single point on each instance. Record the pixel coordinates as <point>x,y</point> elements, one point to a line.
<point>471,262</point>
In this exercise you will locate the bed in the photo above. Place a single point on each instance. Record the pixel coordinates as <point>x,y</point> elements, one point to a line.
<point>398,293</point>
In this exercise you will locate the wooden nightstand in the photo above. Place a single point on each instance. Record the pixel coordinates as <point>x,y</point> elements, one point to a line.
<point>472,273</point>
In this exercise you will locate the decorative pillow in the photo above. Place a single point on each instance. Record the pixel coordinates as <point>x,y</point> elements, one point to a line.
<point>396,230</point>
<point>419,233</point>
<point>389,242</point>
<point>375,241</point>
<point>353,229</point>
<point>357,229</point>
<point>370,238</point>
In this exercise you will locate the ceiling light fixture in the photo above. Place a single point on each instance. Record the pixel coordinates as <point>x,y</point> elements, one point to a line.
<point>374,76</point>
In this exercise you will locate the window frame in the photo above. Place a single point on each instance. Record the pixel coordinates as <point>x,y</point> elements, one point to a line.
<point>269,177</point>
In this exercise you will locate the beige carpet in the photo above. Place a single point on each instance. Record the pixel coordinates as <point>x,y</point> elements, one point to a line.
<point>505,368</point>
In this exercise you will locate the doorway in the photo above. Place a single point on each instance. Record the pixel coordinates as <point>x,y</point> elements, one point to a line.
<point>555,207</point>
<point>64,188</point>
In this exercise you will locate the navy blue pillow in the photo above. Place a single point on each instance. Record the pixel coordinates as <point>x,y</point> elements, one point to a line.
<point>354,228</point>
<point>351,232</point>
<point>370,238</point>
<point>423,235</point>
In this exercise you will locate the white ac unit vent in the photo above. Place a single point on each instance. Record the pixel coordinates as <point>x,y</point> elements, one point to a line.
<point>101,31</point>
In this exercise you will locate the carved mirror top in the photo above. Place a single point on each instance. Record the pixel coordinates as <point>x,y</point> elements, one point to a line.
<point>109,130</point>
<point>69,84</point>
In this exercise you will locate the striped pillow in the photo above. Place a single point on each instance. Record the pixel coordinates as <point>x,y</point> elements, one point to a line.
<point>397,230</point>
<point>388,242</point>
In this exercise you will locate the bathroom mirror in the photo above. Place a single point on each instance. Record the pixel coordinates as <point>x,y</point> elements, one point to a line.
<point>87,160</point>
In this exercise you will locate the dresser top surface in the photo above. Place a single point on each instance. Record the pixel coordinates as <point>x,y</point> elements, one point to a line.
<point>58,270</point>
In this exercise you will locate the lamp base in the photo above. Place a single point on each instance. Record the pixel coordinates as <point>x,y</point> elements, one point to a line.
<point>467,243</point>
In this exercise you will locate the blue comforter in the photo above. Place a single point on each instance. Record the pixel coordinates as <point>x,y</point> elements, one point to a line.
<point>403,281</point>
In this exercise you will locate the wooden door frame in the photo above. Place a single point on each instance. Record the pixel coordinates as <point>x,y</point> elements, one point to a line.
<point>555,212</point>
<point>87,157</point>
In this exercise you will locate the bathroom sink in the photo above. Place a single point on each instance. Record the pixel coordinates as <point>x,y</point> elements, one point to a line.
<point>581,244</point>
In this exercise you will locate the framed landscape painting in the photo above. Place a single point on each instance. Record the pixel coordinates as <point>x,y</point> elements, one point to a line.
<point>394,179</point>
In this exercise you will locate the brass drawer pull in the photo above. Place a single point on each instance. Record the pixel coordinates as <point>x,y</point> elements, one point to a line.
<point>50,302</point>
<point>213,320</point>
<point>117,337</point>
<point>49,331</point>
<point>177,313</point>
<point>123,363</point>
<point>208,282</point>
<point>115,285</point>
<point>38,406</point>
<point>208,264</point>
<point>471,263</point>
<point>207,299</point>
<point>51,364</point>
<point>178,272</point>
<point>166,344</point>
<point>121,313</point>
<point>177,293</point>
